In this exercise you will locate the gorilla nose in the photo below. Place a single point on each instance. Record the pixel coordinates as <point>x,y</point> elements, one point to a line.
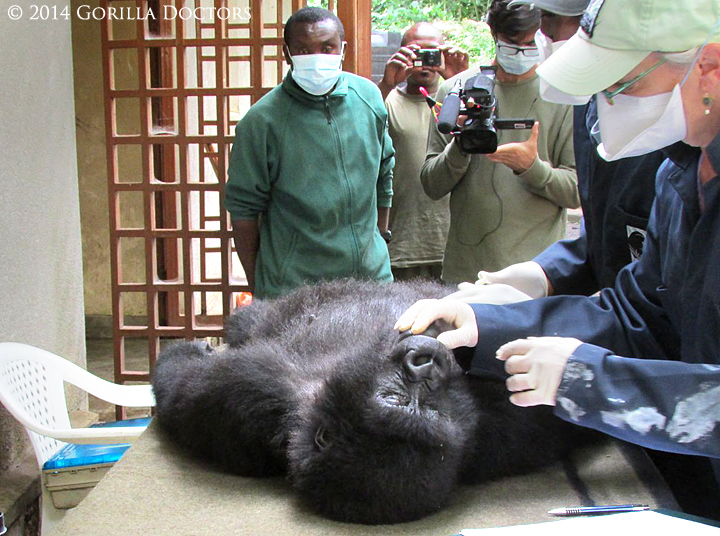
<point>423,358</point>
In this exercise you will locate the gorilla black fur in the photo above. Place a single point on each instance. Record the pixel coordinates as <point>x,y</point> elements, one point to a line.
<point>370,426</point>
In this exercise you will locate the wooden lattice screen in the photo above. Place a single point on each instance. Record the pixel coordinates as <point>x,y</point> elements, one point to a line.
<point>174,89</point>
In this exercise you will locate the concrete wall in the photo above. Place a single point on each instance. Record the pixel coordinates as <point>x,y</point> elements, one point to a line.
<point>40,251</point>
<point>92,164</point>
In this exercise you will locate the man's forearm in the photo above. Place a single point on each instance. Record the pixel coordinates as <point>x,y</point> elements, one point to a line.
<point>383,218</point>
<point>385,88</point>
<point>247,239</point>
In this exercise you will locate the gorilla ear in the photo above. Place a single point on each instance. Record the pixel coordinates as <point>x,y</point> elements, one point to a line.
<point>321,440</point>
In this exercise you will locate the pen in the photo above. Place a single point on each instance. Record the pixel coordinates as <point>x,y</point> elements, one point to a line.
<point>596,510</point>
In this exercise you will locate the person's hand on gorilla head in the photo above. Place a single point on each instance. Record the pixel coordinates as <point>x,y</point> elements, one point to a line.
<point>458,314</point>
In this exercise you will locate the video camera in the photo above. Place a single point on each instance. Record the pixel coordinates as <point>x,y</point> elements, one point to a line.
<point>476,101</point>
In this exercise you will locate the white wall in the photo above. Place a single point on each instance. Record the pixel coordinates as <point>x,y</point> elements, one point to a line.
<point>41,298</point>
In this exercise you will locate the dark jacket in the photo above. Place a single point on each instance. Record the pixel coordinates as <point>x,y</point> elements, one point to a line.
<point>664,311</point>
<point>616,198</point>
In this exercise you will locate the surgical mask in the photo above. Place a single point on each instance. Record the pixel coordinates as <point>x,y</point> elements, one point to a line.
<point>641,125</point>
<point>516,63</point>
<point>546,47</point>
<point>633,126</point>
<point>317,73</point>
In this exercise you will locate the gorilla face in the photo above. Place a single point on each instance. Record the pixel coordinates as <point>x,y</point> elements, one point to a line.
<point>407,414</point>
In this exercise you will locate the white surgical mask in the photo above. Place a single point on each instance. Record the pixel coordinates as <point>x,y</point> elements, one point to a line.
<point>634,126</point>
<point>317,73</point>
<point>516,64</point>
<point>547,47</point>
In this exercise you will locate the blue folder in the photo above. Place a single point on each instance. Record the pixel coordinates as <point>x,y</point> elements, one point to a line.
<point>72,455</point>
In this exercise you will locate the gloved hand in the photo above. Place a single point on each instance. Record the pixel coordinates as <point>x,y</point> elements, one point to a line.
<point>536,367</point>
<point>495,294</point>
<point>424,312</point>
<point>527,277</point>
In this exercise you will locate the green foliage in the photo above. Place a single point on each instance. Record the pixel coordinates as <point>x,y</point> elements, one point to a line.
<point>461,21</point>
<point>398,14</point>
<point>471,35</point>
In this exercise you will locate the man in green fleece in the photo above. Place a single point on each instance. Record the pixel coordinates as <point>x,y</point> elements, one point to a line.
<point>508,206</point>
<point>310,178</point>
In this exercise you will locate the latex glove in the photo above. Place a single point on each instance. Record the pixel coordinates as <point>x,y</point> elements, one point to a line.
<point>495,294</point>
<point>459,314</point>
<point>536,367</point>
<point>518,156</point>
<point>528,277</point>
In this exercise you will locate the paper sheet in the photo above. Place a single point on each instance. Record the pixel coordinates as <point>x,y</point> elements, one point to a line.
<point>631,524</point>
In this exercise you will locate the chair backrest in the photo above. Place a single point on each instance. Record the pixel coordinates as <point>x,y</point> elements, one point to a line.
<point>36,389</point>
<point>32,389</point>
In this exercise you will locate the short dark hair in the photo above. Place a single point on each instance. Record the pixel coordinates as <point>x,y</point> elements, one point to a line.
<point>512,21</point>
<point>311,15</point>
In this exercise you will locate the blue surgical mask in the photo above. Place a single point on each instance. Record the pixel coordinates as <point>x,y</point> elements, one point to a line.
<point>317,73</point>
<point>515,59</point>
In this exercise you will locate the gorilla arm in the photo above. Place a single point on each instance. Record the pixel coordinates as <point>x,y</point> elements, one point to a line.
<point>229,406</point>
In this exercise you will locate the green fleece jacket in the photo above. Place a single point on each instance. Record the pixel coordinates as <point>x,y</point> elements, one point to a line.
<point>316,169</point>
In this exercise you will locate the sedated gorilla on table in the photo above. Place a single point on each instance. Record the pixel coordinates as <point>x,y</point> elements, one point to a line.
<point>370,426</point>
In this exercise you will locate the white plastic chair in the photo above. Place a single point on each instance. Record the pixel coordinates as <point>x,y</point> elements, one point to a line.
<point>32,390</point>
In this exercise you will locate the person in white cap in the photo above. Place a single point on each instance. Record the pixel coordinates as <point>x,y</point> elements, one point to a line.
<point>641,361</point>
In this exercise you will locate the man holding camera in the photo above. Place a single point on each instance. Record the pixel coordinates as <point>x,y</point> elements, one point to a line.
<point>616,195</point>
<point>419,224</point>
<point>508,206</point>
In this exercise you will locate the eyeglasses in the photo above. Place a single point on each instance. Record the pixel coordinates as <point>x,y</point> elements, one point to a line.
<point>513,50</point>
<point>610,95</point>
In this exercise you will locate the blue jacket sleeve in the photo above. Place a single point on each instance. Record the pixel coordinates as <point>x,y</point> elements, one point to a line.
<point>567,266</point>
<point>628,319</point>
<point>663,405</point>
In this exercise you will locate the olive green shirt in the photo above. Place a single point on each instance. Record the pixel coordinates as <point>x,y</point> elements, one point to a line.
<point>498,217</point>
<point>419,224</point>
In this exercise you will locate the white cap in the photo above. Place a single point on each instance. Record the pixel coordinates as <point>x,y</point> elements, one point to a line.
<point>616,35</point>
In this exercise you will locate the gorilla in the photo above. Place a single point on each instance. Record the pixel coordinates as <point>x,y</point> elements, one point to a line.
<point>370,425</point>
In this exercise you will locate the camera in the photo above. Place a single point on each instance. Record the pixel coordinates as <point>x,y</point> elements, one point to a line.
<point>428,57</point>
<point>477,101</point>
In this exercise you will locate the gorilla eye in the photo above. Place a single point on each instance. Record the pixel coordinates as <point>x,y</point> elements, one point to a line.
<point>320,440</point>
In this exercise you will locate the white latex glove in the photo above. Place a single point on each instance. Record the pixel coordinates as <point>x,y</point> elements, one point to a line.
<point>459,314</point>
<point>536,367</point>
<point>495,294</point>
<point>527,277</point>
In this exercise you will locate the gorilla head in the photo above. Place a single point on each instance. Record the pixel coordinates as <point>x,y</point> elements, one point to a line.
<point>371,426</point>
<point>385,442</point>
